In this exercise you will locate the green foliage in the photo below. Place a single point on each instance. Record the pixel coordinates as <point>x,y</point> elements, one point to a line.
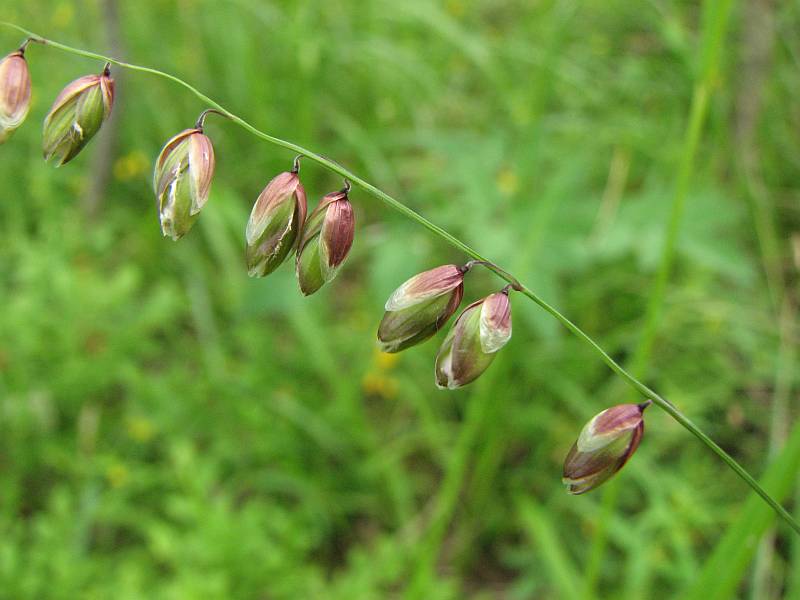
<point>170,428</point>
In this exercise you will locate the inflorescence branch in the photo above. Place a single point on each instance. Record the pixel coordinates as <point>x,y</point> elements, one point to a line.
<point>501,308</point>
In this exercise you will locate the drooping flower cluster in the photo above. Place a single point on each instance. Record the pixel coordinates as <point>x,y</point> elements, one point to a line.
<point>423,304</point>
<point>279,227</point>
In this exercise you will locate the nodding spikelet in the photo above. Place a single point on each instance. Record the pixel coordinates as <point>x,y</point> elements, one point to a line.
<point>77,115</point>
<point>182,180</point>
<point>277,218</point>
<point>326,241</point>
<point>15,93</point>
<point>603,447</point>
<point>420,307</point>
<point>471,344</point>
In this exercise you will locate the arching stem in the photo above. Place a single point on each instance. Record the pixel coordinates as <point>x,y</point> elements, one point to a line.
<point>477,258</point>
<point>24,46</point>
<point>513,282</point>
<point>201,120</point>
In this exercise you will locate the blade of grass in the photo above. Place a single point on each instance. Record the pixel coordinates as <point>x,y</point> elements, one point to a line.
<point>793,583</point>
<point>446,501</point>
<point>757,62</point>
<point>726,567</point>
<point>562,570</point>
<point>779,408</point>
<point>323,359</point>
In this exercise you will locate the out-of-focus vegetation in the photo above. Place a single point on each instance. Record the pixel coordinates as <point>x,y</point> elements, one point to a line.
<point>170,428</point>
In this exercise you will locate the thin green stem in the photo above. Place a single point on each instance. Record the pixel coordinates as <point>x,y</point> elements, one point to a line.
<point>456,243</point>
<point>715,25</point>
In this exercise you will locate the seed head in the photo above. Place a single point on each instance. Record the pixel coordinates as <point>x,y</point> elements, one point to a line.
<point>15,93</point>
<point>76,116</point>
<point>470,346</point>
<point>326,241</point>
<point>276,220</point>
<point>182,181</point>
<point>420,307</point>
<point>603,447</point>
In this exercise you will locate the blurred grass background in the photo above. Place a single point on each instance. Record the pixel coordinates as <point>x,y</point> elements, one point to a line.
<point>172,429</point>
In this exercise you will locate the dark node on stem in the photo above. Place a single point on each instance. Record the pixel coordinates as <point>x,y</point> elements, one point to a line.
<point>514,283</point>
<point>201,120</point>
<point>296,164</point>
<point>644,405</point>
<point>107,70</point>
<point>464,269</point>
<point>347,186</point>
<point>24,45</point>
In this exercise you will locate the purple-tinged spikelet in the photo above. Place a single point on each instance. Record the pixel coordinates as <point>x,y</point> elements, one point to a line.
<point>471,344</point>
<point>277,218</point>
<point>603,447</point>
<point>420,307</point>
<point>182,181</point>
<point>326,240</point>
<point>15,93</point>
<point>76,116</point>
